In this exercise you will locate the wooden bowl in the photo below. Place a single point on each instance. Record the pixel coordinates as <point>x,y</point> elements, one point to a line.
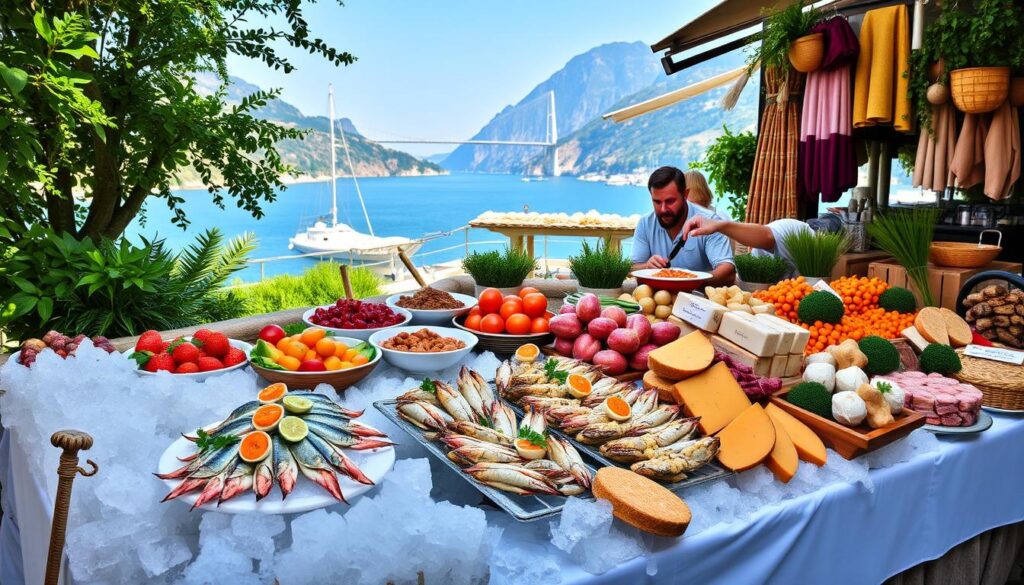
<point>963,254</point>
<point>503,343</point>
<point>340,379</point>
<point>850,442</point>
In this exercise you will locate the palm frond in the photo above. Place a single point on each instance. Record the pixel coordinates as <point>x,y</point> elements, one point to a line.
<point>231,259</point>
<point>196,261</point>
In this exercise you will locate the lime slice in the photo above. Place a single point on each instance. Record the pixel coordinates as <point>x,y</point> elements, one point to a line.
<point>297,404</point>
<point>293,429</point>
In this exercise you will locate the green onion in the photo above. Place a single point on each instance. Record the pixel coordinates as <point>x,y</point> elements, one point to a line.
<point>907,236</point>
<point>627,306</point>
<point>816,253</point>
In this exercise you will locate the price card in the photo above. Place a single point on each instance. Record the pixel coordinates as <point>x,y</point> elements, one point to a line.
<point>996,354</point>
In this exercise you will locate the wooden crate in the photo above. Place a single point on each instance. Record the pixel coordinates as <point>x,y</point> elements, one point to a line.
<point>857,263</point>
<point>945,281</point>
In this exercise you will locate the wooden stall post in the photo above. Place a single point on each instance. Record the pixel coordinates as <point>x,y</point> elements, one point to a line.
<point>346,281</point>
<point>70,442</point>
<point>411,268</point>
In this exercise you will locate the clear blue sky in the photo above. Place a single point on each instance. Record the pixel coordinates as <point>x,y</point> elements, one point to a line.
<point>442,68</point>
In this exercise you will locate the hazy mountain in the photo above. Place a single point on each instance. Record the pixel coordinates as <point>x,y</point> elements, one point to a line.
<point>586,87</point>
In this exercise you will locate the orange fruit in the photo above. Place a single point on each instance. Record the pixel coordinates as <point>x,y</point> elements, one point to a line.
<point>267,416</point>
<point>490,301</point>
<point>517,324</point>
<point>254,447</point>
<point>359,359</point>
<point>535,305</point>
<point>312,335</point>
<point>272,393</point>
<point>284,343</point>
<point>509,308</point>
<point>492,324</point>
<point>296,349</point>
<point>326,347</point>
<point>473,322</point>
<point>349,354</point>
<point>311,354</point>
<point>345,365</point>
<point>332,363</point>
<point>539,325</point>
<point>527,290</point>
<point>340,348</point>
<point>288,362</point>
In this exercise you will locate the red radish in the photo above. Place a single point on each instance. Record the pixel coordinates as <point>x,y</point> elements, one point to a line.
<point>588,307</point>
<point>624,341</point>
<point>585,347</point>
<point>566,326</point>
<point>615,314</point>
<point>564,346</point>
<point>638,361</point>
<point>641,325</point>
<point>567,308</point>
<point>601,327</point>
<point>612,361</point>
<point>664,332</point>
<point>272,334</point>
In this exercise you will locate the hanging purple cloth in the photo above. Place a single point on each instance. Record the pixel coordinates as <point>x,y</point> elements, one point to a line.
<point>826,152</point>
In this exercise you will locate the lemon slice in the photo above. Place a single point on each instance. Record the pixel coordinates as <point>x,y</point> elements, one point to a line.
<point>297,404</point>
<point>527,353</point>
<point>293,429</point>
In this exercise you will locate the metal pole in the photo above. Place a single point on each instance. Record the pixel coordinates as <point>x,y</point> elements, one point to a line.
<point>467,241</point>
<point>262,264</point>
<point>334,176</point>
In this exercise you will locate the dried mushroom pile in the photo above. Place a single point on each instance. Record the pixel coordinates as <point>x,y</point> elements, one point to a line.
<point>998,314</point>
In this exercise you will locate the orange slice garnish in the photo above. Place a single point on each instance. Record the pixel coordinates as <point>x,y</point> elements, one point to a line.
<point>272,393</point>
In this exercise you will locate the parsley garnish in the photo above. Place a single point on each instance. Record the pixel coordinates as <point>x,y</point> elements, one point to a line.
<point>206,442</point>
<point>428,386</point>
<point>551,369</point>
<point>884,387</point>
<point>294,328</point>
<point>485,421</point>
<point>533,437</point>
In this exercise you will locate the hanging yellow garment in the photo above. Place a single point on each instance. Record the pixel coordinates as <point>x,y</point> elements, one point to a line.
<point>880,90</point>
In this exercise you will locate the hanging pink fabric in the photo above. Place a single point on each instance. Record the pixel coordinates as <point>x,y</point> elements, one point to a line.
<point>827,161</point>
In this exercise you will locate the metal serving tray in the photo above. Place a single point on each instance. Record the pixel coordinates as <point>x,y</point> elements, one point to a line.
<point>522,508</point>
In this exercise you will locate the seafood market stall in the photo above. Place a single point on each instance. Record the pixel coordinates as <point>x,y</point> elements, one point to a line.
<point>522,228</point>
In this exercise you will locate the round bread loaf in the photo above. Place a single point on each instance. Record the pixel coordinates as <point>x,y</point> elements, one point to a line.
<point>664,387</point>
<point>642,503</point>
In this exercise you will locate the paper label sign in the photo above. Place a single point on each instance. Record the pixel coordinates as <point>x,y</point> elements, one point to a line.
<point>822,285</point>
<point>996,354</point>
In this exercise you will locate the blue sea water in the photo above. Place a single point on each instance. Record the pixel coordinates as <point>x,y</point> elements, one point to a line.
<point>398,206</point>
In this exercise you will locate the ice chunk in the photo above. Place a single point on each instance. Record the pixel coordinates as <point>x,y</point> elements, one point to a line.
<point>159,557</point>
<point>581,518</point>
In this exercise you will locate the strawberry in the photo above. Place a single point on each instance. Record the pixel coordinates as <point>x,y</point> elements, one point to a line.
<point>233,357</point>
<point>149,341</point>
<point>164,347</point>
<point>185,352</point>
<point>216,344</point>
<point>201,336</point>
<point>186,368</point>
<point>208,364</point>
<point>160,361</point>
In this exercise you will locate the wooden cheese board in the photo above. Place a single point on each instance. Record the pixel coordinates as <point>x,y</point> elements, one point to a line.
<point>850,442</point>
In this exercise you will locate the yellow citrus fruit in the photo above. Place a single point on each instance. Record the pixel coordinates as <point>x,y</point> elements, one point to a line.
<point>332,363</point>
<point>312,335</point>
<point>340,348</point>
<point>359,359</point>
<point>288,362</point>
<point>311,354</point>
<point>325,347</point>
<point>349,354</point>
<point>296,349</point>
<point>345,365</point>
<point>283,344</point>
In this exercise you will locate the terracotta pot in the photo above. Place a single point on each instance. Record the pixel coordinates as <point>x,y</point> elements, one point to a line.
<point>1017,92</point>
<point>807,52</point>
<point>977,90</point>
<point>602,292</point>
<point>509,290</point>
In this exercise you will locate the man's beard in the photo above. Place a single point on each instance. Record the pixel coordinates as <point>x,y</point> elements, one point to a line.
<point>670,220</point>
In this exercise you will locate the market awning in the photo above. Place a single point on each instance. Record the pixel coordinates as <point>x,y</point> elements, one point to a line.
<point>723,19</point>
<point>674,96</point>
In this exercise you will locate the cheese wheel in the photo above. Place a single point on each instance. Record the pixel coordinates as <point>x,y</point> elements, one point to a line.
<point>957,329</point>
<point>664,387</point>
<point>808,445</point>
<point>642,503</point>
<point>684,357</point>
<point>714,396</point>
<point>747,440</point>
<point>931,325</point>
<point>783,460</point>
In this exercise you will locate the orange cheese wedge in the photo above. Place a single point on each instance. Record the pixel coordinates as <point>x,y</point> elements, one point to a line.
<point>713,395</point>
<point>808,445</point>
<point>747,440</point>
<point>783,460</point>
<point>684,357</point>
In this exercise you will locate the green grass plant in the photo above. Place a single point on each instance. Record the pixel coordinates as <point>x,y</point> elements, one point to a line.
<point>600,266</point>
<point>503,269</point>
<point>816,253</point>
<point>318,285</point>
<point>907,235</point>
<point>761,268</point>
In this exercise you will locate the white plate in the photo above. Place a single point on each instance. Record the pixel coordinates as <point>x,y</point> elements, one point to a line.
<point>997,409</point>
<point>200,376</point>
<point>983,423</point>
<point>306,496</point>
<point>362,334</point>
<point>440,317</point>
<point>648,272</point>
<point>424,362</point>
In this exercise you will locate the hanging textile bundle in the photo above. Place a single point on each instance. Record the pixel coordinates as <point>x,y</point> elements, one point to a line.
<point>989,150</point>
<point>881,84</point>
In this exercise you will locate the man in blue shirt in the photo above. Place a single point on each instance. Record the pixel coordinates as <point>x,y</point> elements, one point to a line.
<point>658,233</point>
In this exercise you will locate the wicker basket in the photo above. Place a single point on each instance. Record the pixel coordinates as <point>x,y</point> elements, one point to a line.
<point>807,52</point>
<point>965,254</point>
<point>1017,92</point>
<point>977,90</point>
<point>1001,385</point>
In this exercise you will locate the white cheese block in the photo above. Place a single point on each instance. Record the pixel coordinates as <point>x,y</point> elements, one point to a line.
<point>699,312</point>
<point>793,364</point>
<point>750,334</point>
<point>778,368</point>
<point>788,336</point>
<point>800,335</point>
<point>760,365</point>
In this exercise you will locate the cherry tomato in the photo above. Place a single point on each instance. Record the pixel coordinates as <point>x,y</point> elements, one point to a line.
<point>509,308</point>
<point>539,325</point>
<point>518,324</point>
<point>508,298</point>
<point>535,305</point>
<point>527,290</point>
<point>473,322</point>
<point>490,301</point>
<point>475,311</point>
<point>492,324</point>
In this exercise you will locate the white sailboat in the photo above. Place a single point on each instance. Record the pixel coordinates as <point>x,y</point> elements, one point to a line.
<point>339,239</point>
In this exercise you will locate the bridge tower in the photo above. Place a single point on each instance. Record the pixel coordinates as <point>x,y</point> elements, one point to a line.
<point>552,137</point>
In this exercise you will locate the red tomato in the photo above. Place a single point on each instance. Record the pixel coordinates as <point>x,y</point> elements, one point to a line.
<point>473,322</point>
<point>509,308</point>
<point>492,324</point>
<point>539,325</point>
<point>535,305</point>
<point>508,298</point>
<point>517,324</point>
<point>490,301</point>
<point>527,290</point>
<point>475,311</point>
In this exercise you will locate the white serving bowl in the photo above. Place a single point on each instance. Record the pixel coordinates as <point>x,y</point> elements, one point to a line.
<point>424,362</point>
<point>200,376</point>
<point>362,334</point>
<point>340,379</point>
<point>440,317</point>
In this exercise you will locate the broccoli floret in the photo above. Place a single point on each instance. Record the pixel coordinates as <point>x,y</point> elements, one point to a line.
<point>898,299</point>
<point>812,397</point>
<point>821,306</point>
<point>883,358</point>
<point>940,358</point>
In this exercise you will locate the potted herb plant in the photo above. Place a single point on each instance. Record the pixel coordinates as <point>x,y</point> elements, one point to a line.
<point>729,163</point>
<point>907,236</point>
<point>600,270</point>
<point>759,272</point>
<point>503,270</point>
<point>815,254</point>
<point>786,39</point>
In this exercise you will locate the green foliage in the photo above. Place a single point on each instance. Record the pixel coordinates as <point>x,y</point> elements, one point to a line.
<point>100,97</point>
<point>812,397</point>
<point>768,268</point>
<point>940,358</point>
<point>821,306</point>
<point>907,236</point>
<point>781,28</point>
<point>600,266</point>
<point>115,289</point>
<point>729,164</point>
<point>499,269</point>
<point>883,358</point>
<point>318,285</point>
<point>897,299</point>
<point>815,253</point>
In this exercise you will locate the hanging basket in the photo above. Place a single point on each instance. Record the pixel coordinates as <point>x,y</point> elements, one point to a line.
<point>807,52</point>
<point>977,90</point>
<point>1017,92</point>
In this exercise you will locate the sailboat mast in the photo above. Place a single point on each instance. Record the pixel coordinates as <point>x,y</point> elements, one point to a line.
<point>334,175</point>
<point>352,171</point>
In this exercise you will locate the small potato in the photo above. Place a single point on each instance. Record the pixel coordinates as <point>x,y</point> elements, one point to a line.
<point>642,292</point>
<point>662,311</point>
<point>647,305</point>
<point>626,297</point>
<point>663,297</point>
<point>651,319</point>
